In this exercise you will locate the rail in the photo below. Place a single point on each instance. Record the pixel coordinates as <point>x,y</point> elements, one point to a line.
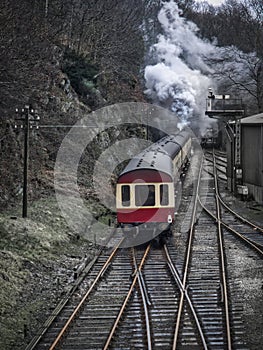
<point>256,246</point>
<point>185,292</point>
<point>146,301</point>
<point>222,261</point>
<point>135,278</point>
<point>187,261</point>
<point>77,309</point>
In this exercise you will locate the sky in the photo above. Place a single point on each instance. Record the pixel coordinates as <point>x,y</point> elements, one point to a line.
<point>213,2</point>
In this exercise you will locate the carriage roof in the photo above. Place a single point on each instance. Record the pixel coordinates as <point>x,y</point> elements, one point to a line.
<point>158,157</point>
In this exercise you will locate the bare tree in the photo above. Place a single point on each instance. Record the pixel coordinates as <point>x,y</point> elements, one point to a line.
<point>240,74</point>
<point>236,27</point>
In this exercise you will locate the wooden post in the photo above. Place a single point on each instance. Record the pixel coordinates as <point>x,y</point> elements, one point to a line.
<point>26,156</point>
<point>29,120</point>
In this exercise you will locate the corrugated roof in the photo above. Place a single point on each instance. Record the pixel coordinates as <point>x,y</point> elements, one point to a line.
<point>254,119</point>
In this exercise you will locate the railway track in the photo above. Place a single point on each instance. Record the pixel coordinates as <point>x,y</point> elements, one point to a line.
<point>70,307</point>
<point>241,227</point>
<point>178,296</point>
<point>230,226</point>
<point>127,306</point>
<point>216,298</point>
<point>204,278</point>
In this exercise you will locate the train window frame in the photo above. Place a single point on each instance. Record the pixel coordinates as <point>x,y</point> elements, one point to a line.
<point>126,202</point>
<point>149,202</point>
<point>166,197</point>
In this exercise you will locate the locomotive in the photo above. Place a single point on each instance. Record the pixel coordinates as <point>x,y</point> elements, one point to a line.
<point>211,138</point>
<point>145,191</point>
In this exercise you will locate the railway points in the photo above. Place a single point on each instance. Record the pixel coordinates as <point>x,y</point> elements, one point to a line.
<point>181,294</point>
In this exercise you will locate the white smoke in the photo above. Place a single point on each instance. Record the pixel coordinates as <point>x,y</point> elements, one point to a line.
<point>179,80</point>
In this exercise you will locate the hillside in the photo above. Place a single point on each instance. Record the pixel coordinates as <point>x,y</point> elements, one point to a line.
<point>58,78</point>
<point>65,59</point>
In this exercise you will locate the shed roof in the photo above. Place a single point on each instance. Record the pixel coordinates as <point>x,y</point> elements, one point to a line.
<point>254,119</point>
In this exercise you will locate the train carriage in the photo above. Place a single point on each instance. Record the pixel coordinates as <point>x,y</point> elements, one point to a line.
<point>145,189</point>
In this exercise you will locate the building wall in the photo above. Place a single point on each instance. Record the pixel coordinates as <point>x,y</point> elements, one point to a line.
<point>230,161</point>
<point>252,159</point>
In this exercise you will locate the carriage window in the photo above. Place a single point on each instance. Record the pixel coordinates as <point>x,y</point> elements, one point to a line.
<point>144,195</point>
<point>125,195</point>
<point>164,195</point>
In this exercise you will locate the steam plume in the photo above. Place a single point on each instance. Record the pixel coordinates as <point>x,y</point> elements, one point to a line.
<point>179,79</point>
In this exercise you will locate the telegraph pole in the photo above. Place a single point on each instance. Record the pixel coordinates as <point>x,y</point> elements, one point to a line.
<point>26,156</point>
<point>28,117</point>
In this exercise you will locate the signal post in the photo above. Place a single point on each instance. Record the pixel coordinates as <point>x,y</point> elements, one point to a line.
<point>229,112</point>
